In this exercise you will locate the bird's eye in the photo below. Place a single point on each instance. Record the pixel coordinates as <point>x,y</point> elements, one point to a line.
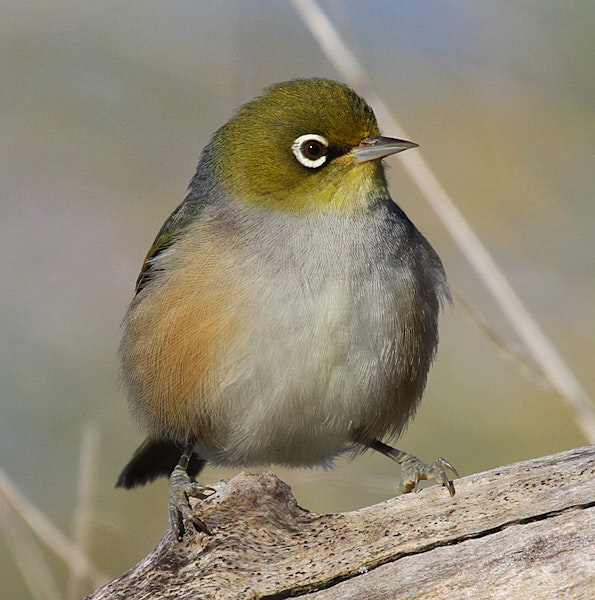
<point>311,150</point>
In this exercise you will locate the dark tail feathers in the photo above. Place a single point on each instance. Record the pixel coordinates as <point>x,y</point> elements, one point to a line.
<point>152,459</point>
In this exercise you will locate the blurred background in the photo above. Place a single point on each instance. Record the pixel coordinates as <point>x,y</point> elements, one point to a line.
<point>104,109</point>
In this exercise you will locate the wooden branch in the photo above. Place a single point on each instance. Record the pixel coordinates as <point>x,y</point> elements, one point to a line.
<point>526,530</point>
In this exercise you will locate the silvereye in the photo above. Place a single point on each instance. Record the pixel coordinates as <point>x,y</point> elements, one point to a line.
<point>287,311</point>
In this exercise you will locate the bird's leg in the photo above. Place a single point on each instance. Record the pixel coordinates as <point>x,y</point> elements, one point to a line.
<point>182,487</point>
<point>414,470</point>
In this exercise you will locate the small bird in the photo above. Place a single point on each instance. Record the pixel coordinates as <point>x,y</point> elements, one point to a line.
<point>287,311</point>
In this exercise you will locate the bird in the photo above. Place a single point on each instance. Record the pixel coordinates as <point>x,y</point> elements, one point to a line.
<point>287,311</point>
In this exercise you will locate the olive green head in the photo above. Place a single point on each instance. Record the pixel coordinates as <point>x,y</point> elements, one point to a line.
<point>307,144</point>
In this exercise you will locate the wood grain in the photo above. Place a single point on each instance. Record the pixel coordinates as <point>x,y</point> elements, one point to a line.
<point>526,530</point>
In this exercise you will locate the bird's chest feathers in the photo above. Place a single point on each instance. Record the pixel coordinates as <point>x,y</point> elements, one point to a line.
<point>324,310</point>
<point>313,327</point>
<point>324,317</point>
<point>322,286</point>
<point>325,303</point>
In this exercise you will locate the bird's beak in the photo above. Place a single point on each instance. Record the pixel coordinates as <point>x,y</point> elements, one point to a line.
<point>376,147</point>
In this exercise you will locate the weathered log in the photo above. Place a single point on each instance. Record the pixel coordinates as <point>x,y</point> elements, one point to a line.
<point>526,530</point>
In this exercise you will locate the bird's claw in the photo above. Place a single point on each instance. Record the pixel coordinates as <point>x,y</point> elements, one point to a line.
<point>181,488</point>
<point>414,470</point>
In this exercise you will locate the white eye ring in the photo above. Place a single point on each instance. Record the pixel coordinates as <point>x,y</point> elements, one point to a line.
<point>303,149</point>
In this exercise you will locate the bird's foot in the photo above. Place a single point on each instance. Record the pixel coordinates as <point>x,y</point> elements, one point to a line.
<point>181,488</point>
<point>414,470</point>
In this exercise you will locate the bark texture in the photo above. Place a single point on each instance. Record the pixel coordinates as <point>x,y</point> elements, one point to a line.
<point>525,530</point>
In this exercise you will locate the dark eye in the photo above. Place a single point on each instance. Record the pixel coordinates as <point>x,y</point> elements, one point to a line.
<point>310,150</point>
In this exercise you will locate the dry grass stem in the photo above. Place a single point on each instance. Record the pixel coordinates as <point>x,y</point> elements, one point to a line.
<point>48,533</point>
<point>27,556</point>
<point>83,512</point>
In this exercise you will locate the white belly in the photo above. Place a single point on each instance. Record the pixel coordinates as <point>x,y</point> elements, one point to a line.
<point>321,355</point>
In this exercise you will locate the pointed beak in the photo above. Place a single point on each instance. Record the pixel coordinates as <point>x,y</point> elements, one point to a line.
<point>376,147</point>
